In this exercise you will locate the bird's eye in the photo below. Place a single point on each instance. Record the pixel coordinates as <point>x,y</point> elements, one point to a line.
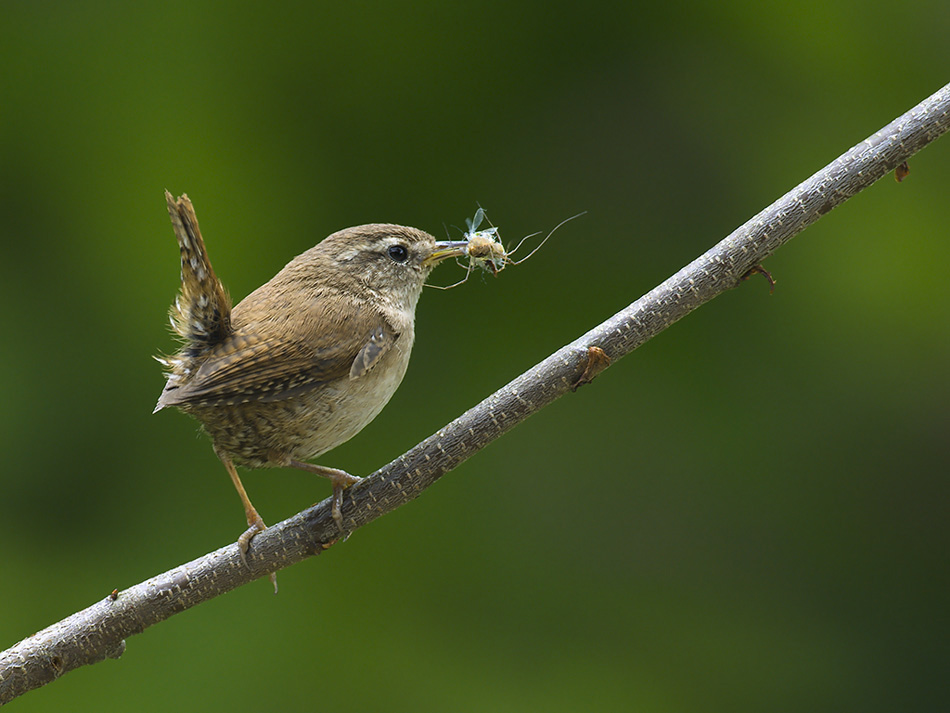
<point>398,253</point>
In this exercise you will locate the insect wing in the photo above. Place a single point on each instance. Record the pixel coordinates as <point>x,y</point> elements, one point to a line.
<point>473,223</point>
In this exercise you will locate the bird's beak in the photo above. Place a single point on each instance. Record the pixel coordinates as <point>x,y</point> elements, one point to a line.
<point>445,249</point>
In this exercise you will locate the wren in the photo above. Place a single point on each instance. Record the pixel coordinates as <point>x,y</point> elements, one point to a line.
<point>305,361</point>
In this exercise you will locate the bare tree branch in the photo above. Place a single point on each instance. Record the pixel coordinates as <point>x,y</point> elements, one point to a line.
<point>100,631</point>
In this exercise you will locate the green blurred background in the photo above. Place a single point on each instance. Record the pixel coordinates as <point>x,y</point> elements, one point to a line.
<point>749,513</point>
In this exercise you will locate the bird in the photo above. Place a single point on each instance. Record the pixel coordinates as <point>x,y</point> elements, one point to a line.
<point>305,361</point>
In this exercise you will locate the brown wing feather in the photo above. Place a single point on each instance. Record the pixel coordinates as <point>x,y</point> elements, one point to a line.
<point>251,367</point>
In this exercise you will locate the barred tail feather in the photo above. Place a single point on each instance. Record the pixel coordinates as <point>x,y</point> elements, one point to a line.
<point>201,314</point>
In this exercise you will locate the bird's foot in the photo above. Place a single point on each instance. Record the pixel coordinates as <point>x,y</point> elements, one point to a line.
<point>339,485</point>
<point>255,525</point>
<point>340,479</point>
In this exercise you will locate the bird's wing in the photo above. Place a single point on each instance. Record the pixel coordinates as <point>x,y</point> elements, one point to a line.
<point>254,366</point>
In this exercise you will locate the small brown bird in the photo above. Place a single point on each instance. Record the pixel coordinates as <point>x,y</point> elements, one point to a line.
<point>305,361</point>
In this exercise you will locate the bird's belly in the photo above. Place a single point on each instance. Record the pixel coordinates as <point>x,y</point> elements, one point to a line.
<point>342,412</point>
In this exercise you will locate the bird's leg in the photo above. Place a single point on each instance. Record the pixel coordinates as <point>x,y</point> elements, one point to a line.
<point>340,480</point>
<point>254,522</point>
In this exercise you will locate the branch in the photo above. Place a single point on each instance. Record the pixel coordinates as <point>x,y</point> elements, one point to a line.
<point>99,631</point>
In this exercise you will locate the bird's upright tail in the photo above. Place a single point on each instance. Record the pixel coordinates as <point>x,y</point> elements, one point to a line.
<point>201,314</point>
